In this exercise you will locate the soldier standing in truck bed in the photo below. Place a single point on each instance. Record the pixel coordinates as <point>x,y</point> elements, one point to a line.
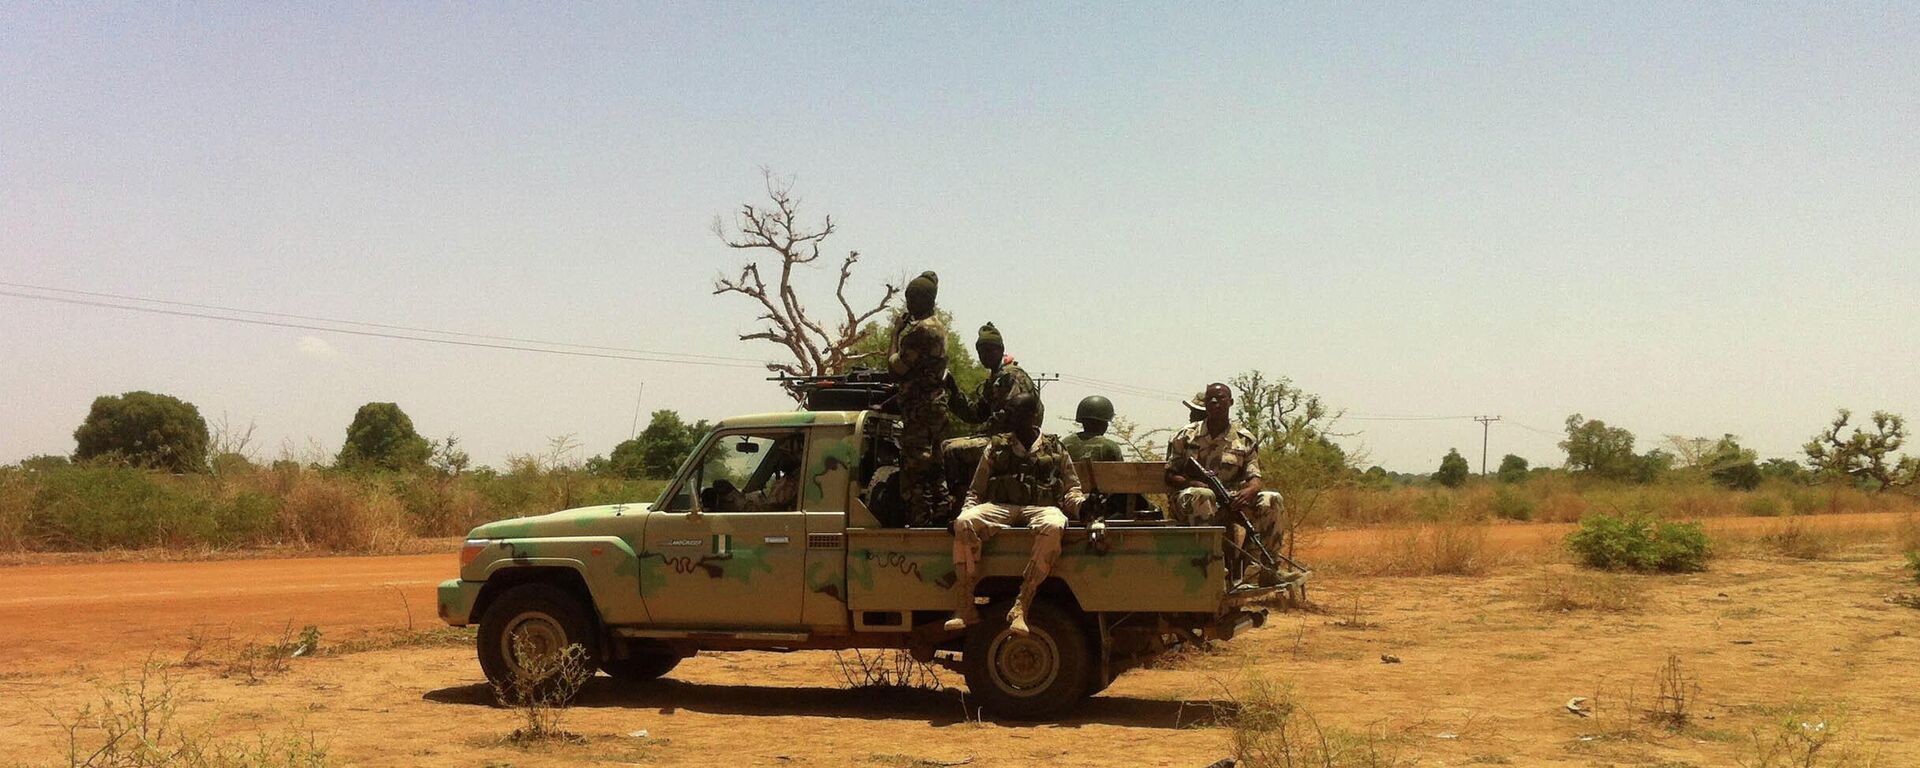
<point>987,408</point>
<point>917,356</point>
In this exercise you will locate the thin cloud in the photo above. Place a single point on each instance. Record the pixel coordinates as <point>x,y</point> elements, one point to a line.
<point>314,346</point>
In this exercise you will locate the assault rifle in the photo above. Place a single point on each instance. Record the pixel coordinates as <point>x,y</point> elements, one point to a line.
<point>856,390</point>
<point>1236,514</point>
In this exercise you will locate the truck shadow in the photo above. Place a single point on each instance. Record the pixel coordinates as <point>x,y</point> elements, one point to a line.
<point>936,708</point>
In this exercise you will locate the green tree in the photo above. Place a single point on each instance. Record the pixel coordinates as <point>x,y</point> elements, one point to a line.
<point>146,430</point>
<point>1862,457</point>
<point>382,437</point>
<point>1453,470</point>
<point>628,460</point>
<point>1786,470</point>
<point>665,443</point>
<point>1513,469</point>
<point>1595,449</point>
<point>1298,456</point>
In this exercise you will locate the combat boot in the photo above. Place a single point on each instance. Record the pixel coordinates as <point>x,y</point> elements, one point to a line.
<point>1023,605</point>
<point>966,614</point>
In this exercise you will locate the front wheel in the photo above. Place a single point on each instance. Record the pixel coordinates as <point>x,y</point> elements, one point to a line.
<point>1032,677</point>
<point>543,620</point>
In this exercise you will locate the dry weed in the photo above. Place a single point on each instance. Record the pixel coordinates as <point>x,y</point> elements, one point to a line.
<point>1271,730</point>
<point>135,724</point>
<point>1587,591</point>
<point>542,689</point>
<point>1803,737</point>
<point>1676,690</point>
<point>886,669</point>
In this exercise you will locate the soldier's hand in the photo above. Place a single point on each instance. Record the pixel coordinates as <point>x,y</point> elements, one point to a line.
<point>1246,494</point>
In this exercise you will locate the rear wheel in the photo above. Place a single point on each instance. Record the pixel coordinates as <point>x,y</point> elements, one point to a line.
<point>1029,677</point>
<point>545,618</point>
<point>645,661</point>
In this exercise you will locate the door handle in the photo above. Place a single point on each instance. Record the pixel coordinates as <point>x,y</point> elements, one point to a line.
<point>777,539</point>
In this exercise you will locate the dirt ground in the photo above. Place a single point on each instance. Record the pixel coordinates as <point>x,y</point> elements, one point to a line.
<point>1483,676</point>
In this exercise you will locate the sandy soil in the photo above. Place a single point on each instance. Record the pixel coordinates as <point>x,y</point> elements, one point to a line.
<point>1484,673</point>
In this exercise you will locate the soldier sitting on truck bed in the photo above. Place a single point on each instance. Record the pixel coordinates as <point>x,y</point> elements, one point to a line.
<point>1023,478</point>
<point>1229,452</point>
<point>988,407</point>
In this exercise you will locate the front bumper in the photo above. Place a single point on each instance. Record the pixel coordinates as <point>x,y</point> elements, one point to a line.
<point>456,601</point>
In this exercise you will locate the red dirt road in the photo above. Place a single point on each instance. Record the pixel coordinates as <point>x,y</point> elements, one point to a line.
<point>56,616</point>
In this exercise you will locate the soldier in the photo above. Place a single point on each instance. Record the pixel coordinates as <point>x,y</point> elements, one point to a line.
<point>1091,443</point>
<point>781,489</point>
<point>1023,478</point>
<point>917,357</point>
<point>1230,453</point>
<point>987,408</point>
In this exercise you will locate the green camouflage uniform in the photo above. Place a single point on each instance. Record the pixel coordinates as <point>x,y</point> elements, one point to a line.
<point>1095,448</point>
<point>987,408</point>
<point>1234,457</point>
<point>918,359</point>
<point>1014,484</point>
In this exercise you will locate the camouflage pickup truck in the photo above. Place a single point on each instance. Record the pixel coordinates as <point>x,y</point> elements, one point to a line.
<point>778,534</point>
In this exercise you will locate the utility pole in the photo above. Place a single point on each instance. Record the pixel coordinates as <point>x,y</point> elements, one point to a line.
<point>634,431</point>
<point>1486,424</point>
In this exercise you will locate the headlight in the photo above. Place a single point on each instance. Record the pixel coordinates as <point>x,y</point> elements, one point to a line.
<point>472,550</point>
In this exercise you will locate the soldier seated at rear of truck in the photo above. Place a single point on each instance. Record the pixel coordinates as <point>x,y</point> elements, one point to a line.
<point>1023,478</point>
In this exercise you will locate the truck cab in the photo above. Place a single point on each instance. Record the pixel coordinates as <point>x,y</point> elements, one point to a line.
<point>784,531</point>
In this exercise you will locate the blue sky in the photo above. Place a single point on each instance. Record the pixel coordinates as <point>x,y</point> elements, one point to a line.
<point>1679,218</point>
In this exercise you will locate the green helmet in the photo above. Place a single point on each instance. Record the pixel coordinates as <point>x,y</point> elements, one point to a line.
<point>1094,408</point>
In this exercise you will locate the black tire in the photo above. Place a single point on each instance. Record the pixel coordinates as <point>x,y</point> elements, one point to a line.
<point>553,616</point>
<point>645,661</point>
<point>1027,678</point>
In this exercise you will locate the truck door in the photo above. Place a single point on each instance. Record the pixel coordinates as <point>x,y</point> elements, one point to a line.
<point>728,549</point>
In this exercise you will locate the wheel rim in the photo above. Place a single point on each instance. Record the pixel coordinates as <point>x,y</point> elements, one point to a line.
<point>1023,666</point>
<point>543,637</point>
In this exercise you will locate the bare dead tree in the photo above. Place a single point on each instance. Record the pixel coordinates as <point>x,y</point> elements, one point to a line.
<point>775,231</point>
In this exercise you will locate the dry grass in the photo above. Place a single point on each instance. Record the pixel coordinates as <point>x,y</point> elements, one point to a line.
<point>1587,591</point>
<point>1802,735</point>
<point>1676,690</point>
<point>136,724</point>
<point>1794,538</point>
<point>1556,498</point>
<point>1270,729</point>
<point>1450,547</point>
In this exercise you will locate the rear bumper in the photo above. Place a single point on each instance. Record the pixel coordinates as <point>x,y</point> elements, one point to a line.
<point>456,601</point>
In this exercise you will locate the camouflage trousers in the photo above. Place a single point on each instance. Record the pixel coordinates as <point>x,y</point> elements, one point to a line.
<point>1195,506</point>
<point>981,521</point>
<point>921,484</point>
<point>960,456</point>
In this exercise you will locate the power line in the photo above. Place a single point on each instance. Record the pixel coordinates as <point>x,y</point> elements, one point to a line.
<point>651,358</point>
<point>364,324</point>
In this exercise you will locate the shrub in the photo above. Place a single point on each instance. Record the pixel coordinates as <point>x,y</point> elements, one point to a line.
<point>1762,505</point>
<point>1509,504</point>
<point>1640,543</point>
<point>1451,547</point>
<point>1913,564</point>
